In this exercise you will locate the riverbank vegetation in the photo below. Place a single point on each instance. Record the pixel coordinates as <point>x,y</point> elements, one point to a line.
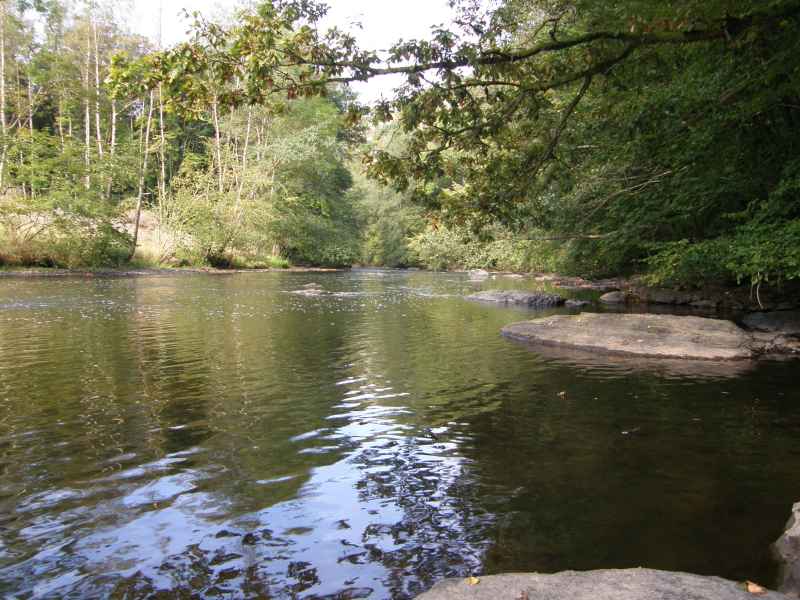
<point>588,138</point>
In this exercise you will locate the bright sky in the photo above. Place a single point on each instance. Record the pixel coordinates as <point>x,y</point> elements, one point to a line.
<point>383,21</point>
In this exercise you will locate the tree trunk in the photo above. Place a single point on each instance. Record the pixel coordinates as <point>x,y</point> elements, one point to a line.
<point>162,187</point>
<point>60,120</point>
<point>217,142</point>
<point>162,149</point>
<point>112,147</point>
<point>98,132</point>
<point>87,116</point>
<point>30,129</point>
<point>3,125</point>
<point>142,175</point>
<point>19,125</point>
<point>244,161</point>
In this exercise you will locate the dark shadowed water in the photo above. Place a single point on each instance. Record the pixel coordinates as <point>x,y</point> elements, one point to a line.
<point>217,436</point>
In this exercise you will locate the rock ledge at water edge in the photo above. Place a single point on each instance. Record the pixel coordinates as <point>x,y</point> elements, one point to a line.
<point>612,584</point>
<point>640,334</point>
<point>787,551</point>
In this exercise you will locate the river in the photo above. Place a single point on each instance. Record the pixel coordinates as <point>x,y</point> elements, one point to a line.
<point>221,436</point>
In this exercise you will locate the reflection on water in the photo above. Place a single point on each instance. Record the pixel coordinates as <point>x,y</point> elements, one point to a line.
<point>227,438</point>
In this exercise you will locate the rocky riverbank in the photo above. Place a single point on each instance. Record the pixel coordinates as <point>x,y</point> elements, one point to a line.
<point>634,290</point>
<point>712,298</point>
<point>150,272</point>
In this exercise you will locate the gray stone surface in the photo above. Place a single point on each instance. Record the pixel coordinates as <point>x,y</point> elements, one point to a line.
<point>787,550</point>
<point>666,296</point>
<point>666,336</point>
<point>576,303</point>
<point>579,283</point>
<point>614,298</point>
<point>775,343</point>
<point>533,299</point>
<point>710,304</point>
<point>612,584</point>
<point>786,322</point>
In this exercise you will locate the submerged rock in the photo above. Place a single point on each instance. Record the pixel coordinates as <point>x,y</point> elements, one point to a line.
<point>311,292</point>
<point>538,299</point>
<point>640,334</point>
<point>623,365</point>
<point>610,584</point>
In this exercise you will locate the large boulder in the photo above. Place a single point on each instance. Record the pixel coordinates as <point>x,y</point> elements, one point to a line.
<point>787,550</point>
<point>611,584</point>
<point>666,336</point>
<point>532,299</point>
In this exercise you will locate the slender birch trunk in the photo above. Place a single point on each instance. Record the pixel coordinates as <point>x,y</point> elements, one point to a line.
<point>87,116</point>
<point>30,131</point>
<point>244,159</point>
<point>98,132</point>
<point>162,149</point>
<point>3,124</point>
<point>142,175</point>
<point>217,141</point>
<point>60,120</point>
<point>19,125</point>
<point>162,157</point>
<point>112,147</point>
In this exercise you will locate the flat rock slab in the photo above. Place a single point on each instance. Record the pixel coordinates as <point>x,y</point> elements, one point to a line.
<point>612,584</point>
<point>537,299</point>
<point>639,334</point>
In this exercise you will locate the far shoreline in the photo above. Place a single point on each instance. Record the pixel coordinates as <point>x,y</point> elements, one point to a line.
<point>127,272</point>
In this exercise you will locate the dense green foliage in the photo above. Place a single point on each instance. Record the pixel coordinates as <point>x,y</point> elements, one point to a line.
<point>595,138</point>
<point>679,158</point>
<point>100,163</point>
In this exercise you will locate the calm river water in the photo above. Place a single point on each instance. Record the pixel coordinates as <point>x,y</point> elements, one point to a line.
<point>218,436</point>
